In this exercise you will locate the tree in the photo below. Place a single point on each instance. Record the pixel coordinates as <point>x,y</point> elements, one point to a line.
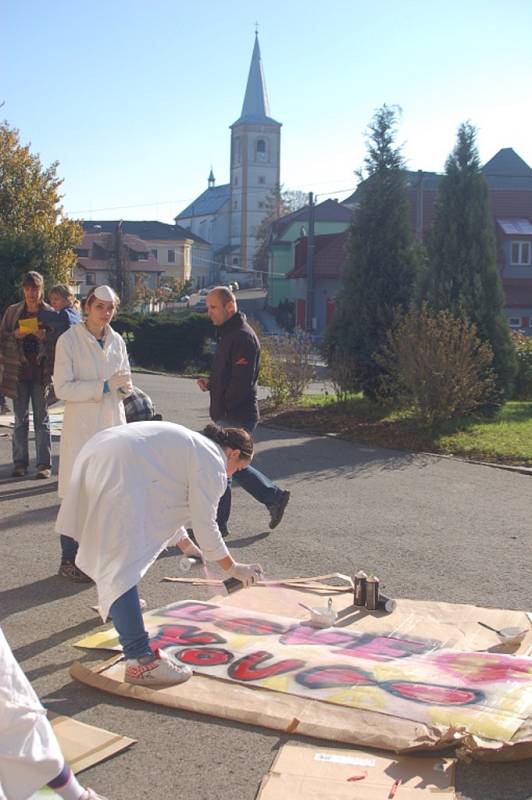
<point>462,271</point>
<point>33,232</point>
<point>382,265</point>
<point>278,203</point>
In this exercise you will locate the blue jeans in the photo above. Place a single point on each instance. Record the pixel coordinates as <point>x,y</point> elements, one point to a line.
<point>34,391</point>
<point>127,619</point>
<point>250,479</point>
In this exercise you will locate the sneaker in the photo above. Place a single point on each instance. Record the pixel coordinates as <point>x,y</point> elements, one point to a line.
<point>44,472</point>
<point>277,511</point>
<point>90,794</point>
<point>69,570</point>
<point>157,670</point>
<point>19,472</point>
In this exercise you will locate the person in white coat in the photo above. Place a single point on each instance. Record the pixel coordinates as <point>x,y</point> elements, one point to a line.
<point>131,487</point>
<point>92,375</point>
<point>30,756</point>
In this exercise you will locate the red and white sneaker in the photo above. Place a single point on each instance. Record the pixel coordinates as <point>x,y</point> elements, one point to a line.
<point>161,670</point>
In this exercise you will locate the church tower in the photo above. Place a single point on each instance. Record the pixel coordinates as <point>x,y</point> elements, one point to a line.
<point>255,165</point>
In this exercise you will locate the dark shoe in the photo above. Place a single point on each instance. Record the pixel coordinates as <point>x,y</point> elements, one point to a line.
<point>19,472</point>
<point>69,570</point>
<point>277,511</point>
<point>44,472</point>
<point>191,536</point>
<point>4,409</point>
<point>224,531</point>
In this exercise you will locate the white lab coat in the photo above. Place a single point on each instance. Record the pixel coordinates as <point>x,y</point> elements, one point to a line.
<point>29,753</point>
<point>131,487</point>
<point>81,367</point>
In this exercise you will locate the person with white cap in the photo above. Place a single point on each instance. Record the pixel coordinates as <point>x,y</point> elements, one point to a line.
<point>92,375</point>
<point>30,756</point>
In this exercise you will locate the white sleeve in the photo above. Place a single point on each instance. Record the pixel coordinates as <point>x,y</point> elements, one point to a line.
<point>205,489</point>
<point>66,387</point>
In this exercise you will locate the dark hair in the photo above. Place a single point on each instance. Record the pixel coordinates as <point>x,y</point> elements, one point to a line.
<point>33,278</point>
<point>235,438</point>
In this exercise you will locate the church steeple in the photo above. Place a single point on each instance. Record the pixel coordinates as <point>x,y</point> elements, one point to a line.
<point>256,107</point>
<point>211,180</point>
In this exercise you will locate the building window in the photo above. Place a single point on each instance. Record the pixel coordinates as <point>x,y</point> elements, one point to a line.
<point>521,253</point>
<point>82,252</point>
<point>514,322</point>
<point>262,179</point>
<point>235,205</point>
<point>235,180</point>
<point>237,151</point>
<point>142,256</point>
<point>154,252</point>
<point>261,204</point>
<point>260,150</point>
<point>235,261</point>
<point>171,256</point>
<point>90,279</point>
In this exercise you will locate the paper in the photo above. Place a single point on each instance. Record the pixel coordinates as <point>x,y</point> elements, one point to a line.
<point>297,774</point>
<point>29,325</point>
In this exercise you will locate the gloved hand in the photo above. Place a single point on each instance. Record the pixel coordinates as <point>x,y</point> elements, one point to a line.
<point>121,382</point>
<point>246,573</point>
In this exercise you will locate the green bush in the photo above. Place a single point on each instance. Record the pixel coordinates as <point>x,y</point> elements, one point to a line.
<point>523,378</point>
<point>436,364</point>
<point>165,340</point>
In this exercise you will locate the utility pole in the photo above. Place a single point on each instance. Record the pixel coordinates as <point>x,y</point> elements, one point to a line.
<point>309,316</point>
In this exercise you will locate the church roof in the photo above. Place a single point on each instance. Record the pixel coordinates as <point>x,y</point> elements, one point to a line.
<point>144,229</point>
<point>209,202</point>
<point>256,108</point>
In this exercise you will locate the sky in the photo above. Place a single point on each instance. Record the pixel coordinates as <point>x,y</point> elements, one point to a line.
<point>134,98</point>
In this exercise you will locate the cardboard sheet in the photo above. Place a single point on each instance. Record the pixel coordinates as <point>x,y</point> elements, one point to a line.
<point>302,772</point>
<point>378,708</point>
<point>83,746</point>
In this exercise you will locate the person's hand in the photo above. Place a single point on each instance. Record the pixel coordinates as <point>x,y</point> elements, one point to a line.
<point>246,573</point>
<point>40,335</point>
<point>18,334</point>
<point>121,382</point>
<point>203,384</point>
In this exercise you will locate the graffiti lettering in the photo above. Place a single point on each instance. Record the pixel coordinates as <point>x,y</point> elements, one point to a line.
<point>205,656</point>
<point>334,676</point>
<point>432,694</point>
<point>305,634</point>
<point>246,669</point>
<point>384,648</point>
<point>200,612</point>
<point>169,635</point>
<point>251,626</point>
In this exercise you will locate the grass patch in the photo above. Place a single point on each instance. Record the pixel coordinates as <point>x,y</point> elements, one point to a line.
<point>505,438</point>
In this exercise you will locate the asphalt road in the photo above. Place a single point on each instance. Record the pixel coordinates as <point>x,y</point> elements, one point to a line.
<point>429,527</point>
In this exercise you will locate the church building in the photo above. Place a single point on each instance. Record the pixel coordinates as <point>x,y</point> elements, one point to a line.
<point>229,215</point>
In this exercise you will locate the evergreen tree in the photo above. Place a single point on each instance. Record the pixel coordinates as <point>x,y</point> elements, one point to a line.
<point>383,260</point>
<point>33,234</point>
<point>462,273</point>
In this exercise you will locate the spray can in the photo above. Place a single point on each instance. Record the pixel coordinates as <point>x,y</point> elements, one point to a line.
<point>372,592</point>
<point>359,591</point>
<point>386,603</point>
<point>233,585</point>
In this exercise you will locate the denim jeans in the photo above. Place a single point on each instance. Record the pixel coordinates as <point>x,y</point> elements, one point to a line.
<point>34,391</point>
<point>127,619</point>
<point>69,548</point>
<point>250,479</point>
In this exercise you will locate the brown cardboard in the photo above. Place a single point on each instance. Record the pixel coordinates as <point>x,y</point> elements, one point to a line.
<point>84,745</point>
<point>303,772</point>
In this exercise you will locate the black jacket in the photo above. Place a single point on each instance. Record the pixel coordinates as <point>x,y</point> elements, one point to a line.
<point>233,380</point>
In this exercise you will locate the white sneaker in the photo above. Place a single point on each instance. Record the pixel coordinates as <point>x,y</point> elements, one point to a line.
<point>162,670</point>
<point>90,794</point>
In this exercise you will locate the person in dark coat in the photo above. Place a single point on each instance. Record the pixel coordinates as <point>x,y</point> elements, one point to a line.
<point>233,398</point>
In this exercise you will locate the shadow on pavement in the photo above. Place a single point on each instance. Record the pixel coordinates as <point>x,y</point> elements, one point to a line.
<point>38,593</point>
<point>29,517</point>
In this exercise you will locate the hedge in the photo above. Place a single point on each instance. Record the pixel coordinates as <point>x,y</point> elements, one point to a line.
<point>165,340</point>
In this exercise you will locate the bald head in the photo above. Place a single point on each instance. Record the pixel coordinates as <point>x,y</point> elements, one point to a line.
<point>221,305</point>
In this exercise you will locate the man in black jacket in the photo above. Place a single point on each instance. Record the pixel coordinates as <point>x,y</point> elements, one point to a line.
<point>233,390</point>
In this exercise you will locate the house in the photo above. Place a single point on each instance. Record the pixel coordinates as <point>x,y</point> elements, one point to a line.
<point>330,251</point>
<point>181,254</point>
<point>329,217</point>
<point>229,215</point>
<point>96,262</point>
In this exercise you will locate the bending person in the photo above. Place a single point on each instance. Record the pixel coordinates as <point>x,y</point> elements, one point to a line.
<point>92,375</point>
<point>131,487</point>
<point>30,756</point>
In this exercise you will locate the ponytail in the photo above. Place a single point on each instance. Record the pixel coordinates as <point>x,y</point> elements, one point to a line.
<point>234,438</point>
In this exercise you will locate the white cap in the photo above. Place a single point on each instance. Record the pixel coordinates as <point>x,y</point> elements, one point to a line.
<point>106,293</point>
